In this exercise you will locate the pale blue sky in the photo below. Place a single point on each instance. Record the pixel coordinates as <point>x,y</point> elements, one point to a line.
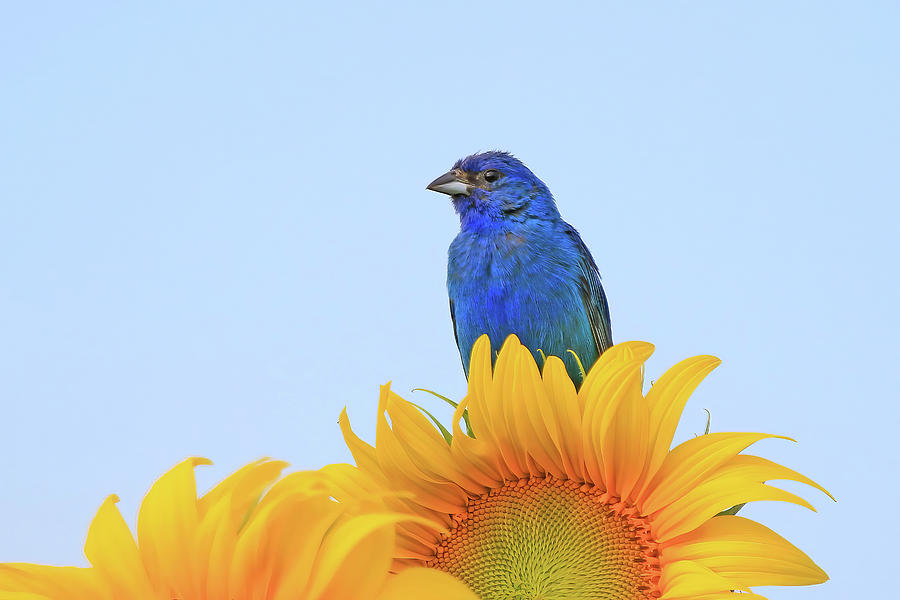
<point>214,231</point>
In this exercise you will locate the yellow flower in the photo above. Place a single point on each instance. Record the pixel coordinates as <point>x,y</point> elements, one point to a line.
<point>234,543</point>
<point>572,495</point>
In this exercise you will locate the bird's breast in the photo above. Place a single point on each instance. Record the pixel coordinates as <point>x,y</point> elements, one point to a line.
<point>507,273</point>
<point>527,282</point>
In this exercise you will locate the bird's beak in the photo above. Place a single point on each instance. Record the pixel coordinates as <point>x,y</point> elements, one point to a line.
<point>450,184</point>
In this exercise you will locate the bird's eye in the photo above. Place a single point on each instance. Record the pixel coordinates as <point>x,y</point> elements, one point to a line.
<point>491,175</point>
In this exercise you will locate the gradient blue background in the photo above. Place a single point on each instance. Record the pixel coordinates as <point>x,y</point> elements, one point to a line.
<point>214,231</point>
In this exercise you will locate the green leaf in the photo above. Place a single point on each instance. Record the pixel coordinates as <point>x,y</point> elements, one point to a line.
<point>454,405</point>
<point>444,398</point>
<point>448,437</point>
<point>733,510</point>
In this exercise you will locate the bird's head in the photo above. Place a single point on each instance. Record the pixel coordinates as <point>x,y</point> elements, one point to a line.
<point>495,186</point>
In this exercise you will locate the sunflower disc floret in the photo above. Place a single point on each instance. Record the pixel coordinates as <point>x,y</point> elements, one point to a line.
<point>541,535</point>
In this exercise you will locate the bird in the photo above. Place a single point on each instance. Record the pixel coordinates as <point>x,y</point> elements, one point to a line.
<point>516,267</point>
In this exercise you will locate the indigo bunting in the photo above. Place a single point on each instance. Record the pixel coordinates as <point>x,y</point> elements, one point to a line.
<point>517,267</point>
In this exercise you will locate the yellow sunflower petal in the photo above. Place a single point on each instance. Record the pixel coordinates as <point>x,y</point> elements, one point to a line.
<point>477,453</point>
<point>600,372</point>
<point>276,550</point>
<point>619,382</point>
<point>564,426</point>
<point>419,583</point>
<point>111,549</point>
<point>302,484</point>
<point>22,596</point>
<point>711,498</point>
<point>626,449</point>
<point>354,559</point>
<point>481,376</point>
<point>745,552</point>
<point>363,453</point>
<point>365,456</point>
<point>687,579</point>
<point>665,401</point>
<point>167,522</point>
<point>243,487</point>
<point>222,512</point>
<point>533,418</point>
<point>755,468</point>
<point>424,444</point>
<point>690,463</point>
<point>484,451</point>
<point>212,550</point>
<point>740,479</point>
<point>729,596</point>
<point>347,484</point>
<point>21,581</point>
<point>501,412</point>
<point>395,461</point>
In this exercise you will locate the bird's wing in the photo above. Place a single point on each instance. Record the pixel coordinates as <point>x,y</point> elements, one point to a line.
<point>453,319</point>
<point>592,294</point>
<point>462,353</point>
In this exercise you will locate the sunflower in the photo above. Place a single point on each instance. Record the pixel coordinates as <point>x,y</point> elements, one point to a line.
<point>234,543</point>
<point>558,494</point>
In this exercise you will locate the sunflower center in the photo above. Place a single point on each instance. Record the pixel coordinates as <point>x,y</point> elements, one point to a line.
<point>549,539</point>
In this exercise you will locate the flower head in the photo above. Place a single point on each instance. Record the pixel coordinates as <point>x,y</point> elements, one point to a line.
<point>239,542</point>
<point>572,495</point>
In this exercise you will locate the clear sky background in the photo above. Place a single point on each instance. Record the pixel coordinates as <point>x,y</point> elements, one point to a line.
<point>214,231</point>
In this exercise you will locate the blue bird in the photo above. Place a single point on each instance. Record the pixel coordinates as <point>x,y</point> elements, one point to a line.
<point>517,267</point>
